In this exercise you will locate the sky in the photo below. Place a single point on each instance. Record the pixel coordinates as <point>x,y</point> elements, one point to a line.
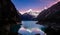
<point>35,5</point>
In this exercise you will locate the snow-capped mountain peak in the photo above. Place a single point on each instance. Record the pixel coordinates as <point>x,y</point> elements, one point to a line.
<point>30,10</point>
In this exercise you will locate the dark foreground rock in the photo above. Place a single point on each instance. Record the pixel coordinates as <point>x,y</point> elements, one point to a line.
<point>51,19</point>
<point>9,16</point>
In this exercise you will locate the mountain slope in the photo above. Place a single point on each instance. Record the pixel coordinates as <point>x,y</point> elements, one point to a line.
<point>30,15</point>
<point>52,12</point>
<point>27,16</point>
<point>51,19</point>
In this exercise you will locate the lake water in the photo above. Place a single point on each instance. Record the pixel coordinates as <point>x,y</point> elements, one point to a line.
<point>31,24</point>
<point>28,27</point>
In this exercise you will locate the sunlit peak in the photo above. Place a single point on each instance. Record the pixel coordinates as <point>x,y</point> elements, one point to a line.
<point>29,10</point>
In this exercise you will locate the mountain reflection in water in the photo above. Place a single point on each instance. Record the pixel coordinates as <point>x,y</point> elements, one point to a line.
<point>30,28</point>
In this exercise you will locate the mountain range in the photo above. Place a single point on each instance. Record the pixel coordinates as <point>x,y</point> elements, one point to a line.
<point>30,15</point>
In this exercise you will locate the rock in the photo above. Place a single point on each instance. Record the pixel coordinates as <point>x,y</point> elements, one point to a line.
<point>8,16</point>
<point>50,18</point>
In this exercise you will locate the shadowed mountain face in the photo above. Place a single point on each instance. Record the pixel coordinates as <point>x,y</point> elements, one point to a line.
<point>8,16</point>
<point>50,11</point>
<point>51,14</point>
<point>28,17</point>
<point>51,18</point>
<point>8,12</point>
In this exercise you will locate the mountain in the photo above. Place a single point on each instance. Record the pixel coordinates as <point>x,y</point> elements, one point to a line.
<point>27,16</point>
<point>50,14</point>
<point>35,14</point>
<point>30,15</point>
<point>51,19</point>
<point>8,17</point>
